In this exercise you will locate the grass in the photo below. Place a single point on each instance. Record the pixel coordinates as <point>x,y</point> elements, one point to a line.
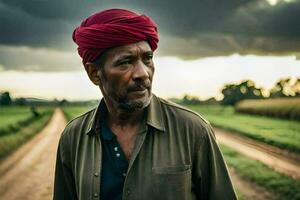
<point>13,117</point>
<point>278,132</point>
<point>286,108</point>
<point>286,187</point>
<point>240,195</point>
<point>73,111</point>
<point>12,140</point>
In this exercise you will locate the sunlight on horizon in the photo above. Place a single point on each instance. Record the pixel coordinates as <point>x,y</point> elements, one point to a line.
<point>275,2</point>
<point>173,77</point>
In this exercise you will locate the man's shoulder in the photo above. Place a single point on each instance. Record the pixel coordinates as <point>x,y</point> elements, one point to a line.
<point>80,123</point>
<point>182,113</point>
<point>184,123</point>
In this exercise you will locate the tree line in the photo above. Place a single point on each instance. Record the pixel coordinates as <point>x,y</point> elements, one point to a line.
<point>247,89</point>
<point>233,93</point>
<point>7,100</point>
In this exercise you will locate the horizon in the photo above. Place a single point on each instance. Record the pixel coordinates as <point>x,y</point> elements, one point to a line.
<point>203,78</point>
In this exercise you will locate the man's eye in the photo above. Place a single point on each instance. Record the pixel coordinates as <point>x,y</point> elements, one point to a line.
<point>125,62</point>
<point>148,58</point>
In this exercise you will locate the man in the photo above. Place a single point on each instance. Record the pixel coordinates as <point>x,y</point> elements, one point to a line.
<point>134,145</point>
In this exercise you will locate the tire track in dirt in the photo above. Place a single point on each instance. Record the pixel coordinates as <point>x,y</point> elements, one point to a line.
<point>271,156</point>
<point>29,172</point>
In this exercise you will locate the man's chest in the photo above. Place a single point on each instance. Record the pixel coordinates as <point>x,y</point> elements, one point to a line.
<point>127,145</point>
<point>160,166</point>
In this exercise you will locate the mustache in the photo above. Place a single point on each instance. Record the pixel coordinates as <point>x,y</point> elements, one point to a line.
<point>139,86</point>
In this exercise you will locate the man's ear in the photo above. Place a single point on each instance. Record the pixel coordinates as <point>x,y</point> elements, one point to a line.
<point>93,72</point>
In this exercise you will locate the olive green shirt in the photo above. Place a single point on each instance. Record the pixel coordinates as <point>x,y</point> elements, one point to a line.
<point>175,157</point>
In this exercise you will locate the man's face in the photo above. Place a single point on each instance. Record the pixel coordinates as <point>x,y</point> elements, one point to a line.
<point>126,76</point>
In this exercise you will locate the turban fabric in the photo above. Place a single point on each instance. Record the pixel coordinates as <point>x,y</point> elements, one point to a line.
<point>111,28</point>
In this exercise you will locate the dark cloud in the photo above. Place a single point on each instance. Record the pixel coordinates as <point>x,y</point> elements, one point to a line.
<point>188,29</point>
<point>47,9</point>
<point>37,59</point>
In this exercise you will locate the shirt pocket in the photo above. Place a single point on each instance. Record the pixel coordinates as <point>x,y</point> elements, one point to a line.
<point>172,182</point>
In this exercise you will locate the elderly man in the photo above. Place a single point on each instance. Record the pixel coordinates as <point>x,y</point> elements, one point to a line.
<point>134,145</point>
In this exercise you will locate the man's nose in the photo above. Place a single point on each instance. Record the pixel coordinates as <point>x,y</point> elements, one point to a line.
<point>140,70</point>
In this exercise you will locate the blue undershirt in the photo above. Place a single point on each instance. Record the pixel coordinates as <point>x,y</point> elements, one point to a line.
<point>114,165</point>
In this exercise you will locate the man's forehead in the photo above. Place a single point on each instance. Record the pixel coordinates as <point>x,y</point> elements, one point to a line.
<point>139,47</point>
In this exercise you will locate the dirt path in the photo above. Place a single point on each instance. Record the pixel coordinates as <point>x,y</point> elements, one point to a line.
<point>29,172</point>
<point>279,160</point>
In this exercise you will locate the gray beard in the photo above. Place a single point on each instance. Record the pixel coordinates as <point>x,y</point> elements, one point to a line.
<point>131,107</point>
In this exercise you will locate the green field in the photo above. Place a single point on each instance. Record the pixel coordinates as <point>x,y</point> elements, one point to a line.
<point>262,175</point>
<point>73,111</point>
<point>18,125</point>
<point>278,132</point>
<point>13,117</point>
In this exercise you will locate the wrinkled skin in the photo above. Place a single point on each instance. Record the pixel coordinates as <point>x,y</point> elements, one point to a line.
<point>125,78</point>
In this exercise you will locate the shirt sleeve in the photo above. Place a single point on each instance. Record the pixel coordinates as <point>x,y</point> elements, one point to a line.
<point>64,184</point>
<point>210,174</point>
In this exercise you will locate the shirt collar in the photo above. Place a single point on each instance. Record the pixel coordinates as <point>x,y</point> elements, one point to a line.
<point>94,121</point>
<point>154,116</point>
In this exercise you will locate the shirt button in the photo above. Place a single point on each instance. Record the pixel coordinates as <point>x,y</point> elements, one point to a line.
<point>124,174</point>
<point>116,148</point>
<point>96,174</point>
<point>118,155</point>
<point>96,195</point>
<point>128,192</point>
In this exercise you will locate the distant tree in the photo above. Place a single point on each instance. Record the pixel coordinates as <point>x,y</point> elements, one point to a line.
<point>34,111</point>
<point>280,88</point>
<point>188,99</point>
<point>63,102</point>
<point>211,101</point>
<point>286,87</point>
<point>296,87</point>
<point>20,101</point>
<point>245,90</point>
<point>5,99</point>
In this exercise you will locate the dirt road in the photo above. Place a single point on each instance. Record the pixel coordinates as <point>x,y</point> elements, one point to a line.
<point>277,159</point>
<point>28,173</point>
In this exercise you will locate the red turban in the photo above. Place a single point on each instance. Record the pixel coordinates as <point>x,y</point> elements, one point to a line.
<point>111,28</point>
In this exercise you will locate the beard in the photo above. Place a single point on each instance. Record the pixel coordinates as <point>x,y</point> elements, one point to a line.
<point>126,104</point>
<point>134,105</point>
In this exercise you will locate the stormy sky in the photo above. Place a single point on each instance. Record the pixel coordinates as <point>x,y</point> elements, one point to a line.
<point>36,34</point>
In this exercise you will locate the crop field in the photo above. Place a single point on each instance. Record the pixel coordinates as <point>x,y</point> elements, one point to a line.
<point>286,108</point>
<point>18,124</point>
<point>278,132</point>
